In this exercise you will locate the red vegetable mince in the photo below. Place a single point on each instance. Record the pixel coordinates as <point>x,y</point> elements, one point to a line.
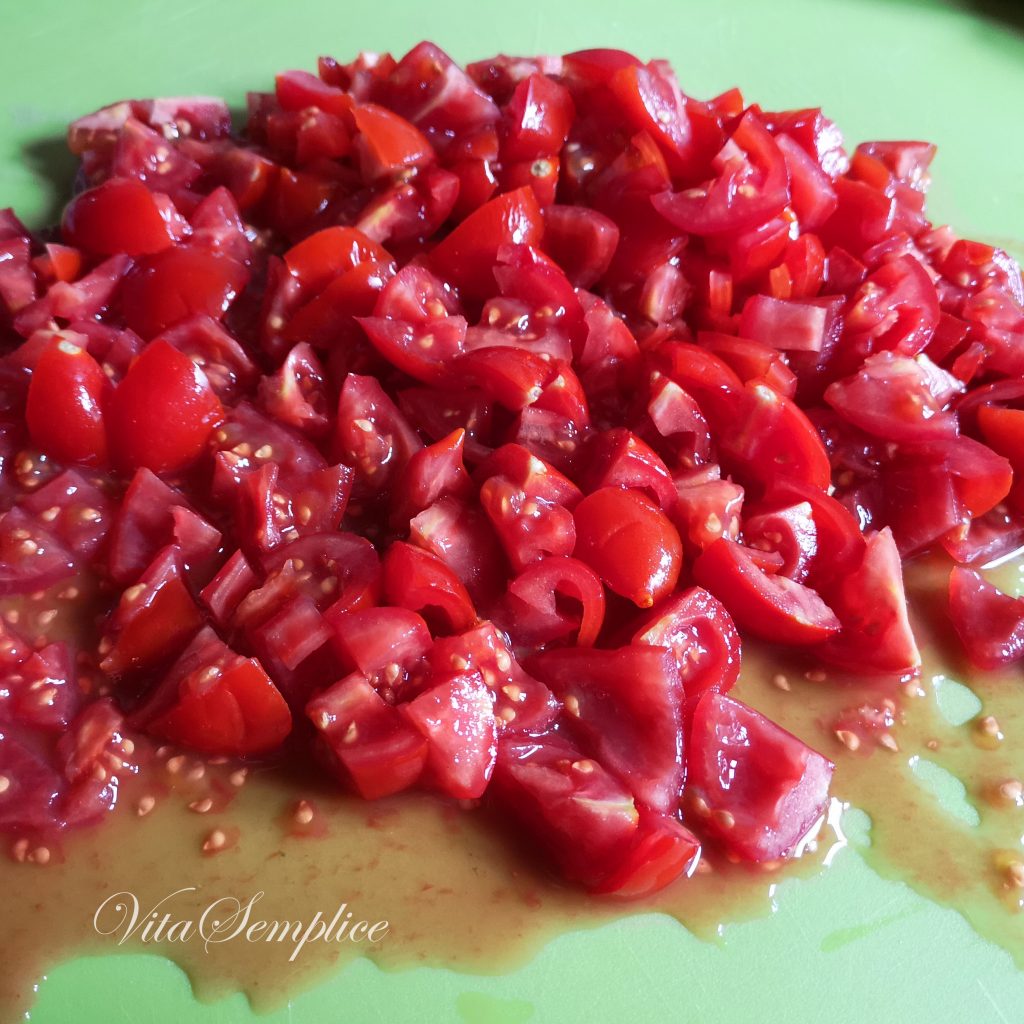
<point>451,426</point>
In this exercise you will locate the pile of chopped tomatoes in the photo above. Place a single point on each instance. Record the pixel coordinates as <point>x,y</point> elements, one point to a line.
<point>453,425</point>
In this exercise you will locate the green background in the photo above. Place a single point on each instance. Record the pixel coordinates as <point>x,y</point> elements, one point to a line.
<point>845,946</point>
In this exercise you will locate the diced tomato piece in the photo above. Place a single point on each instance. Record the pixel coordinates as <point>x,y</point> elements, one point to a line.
<point>872,607</point>
<point>990,623</point>
<point>773,790</point>
<point>790,532</point>
<point>387,143</point>
<point>421,582</point>
<point>752,186</point>
<point>705,510</point>
<point>529,528</point>
<point>225,591</point>
<point>663,851</point>
<point>375,748</point>
<point>431,473</point>
<point>65,405</point>
<point>771,438</point>
<point>774,608</point>
<point>152,516</point>
<point>630,543</point>
<point>370,639</point>
<point>457,718</point>
<point>153,618</point>
<point>535,602</point>
<point>296,394</point>
<point>582,241</point>
<point>31,557</point>
<point>298,90</point>
<point>467,256</point>
<point>580,815</point>
<point>180,282</point>
<point>122,216</point>
<point>219,702</point>
<point>792,326</point>
<point>462,537</point>
<point>625,706</point>
<point>371,434</point>
<point>160,416</point>
<point>522,704</point>
<point>43,693</point>
<point>699,631</point>
<point>30,801</point>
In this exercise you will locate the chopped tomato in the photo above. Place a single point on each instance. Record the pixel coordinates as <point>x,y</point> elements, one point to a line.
<point>625,706</point>
<point>457,718</point>
<point>775,608</point>
<point>161,415</point>
<point>122,215</point>
<point>466,257</point>
<point>757,788</point>
<point>630,543</point>
<point>66,402</point>
<point>375,748</point>
<point>990,623</point>
<point>219,702</point>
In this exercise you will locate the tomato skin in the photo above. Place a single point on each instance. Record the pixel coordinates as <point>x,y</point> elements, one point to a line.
<point>419,581</point>
<point>466,257</point>
<point>178,283</point>
<point>66,399</point>
<point>630,543</point>
<point>121,216</point>
<point>774,608</point>
<point>160,416</point>
<point>532,612</point>
<point>990,624</point>
<point>775,787</point>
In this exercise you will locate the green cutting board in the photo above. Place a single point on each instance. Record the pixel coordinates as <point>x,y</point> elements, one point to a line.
<point>844,947</point>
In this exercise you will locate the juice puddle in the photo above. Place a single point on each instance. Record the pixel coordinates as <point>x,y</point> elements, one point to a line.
<point>457,893</point>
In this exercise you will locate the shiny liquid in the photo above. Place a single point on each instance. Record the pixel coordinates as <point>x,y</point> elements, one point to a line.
<point>458,892</point>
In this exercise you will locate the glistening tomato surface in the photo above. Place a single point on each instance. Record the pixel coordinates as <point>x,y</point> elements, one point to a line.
<point>459,427</point>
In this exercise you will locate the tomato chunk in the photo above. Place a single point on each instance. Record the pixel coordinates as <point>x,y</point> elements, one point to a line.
<point>66,399</point>
<point>162,413</point>
<point>775,608</point>
<point>990,624</point>
<point>220,702</point>
<point>757,788</point>
<point>630,544</point>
